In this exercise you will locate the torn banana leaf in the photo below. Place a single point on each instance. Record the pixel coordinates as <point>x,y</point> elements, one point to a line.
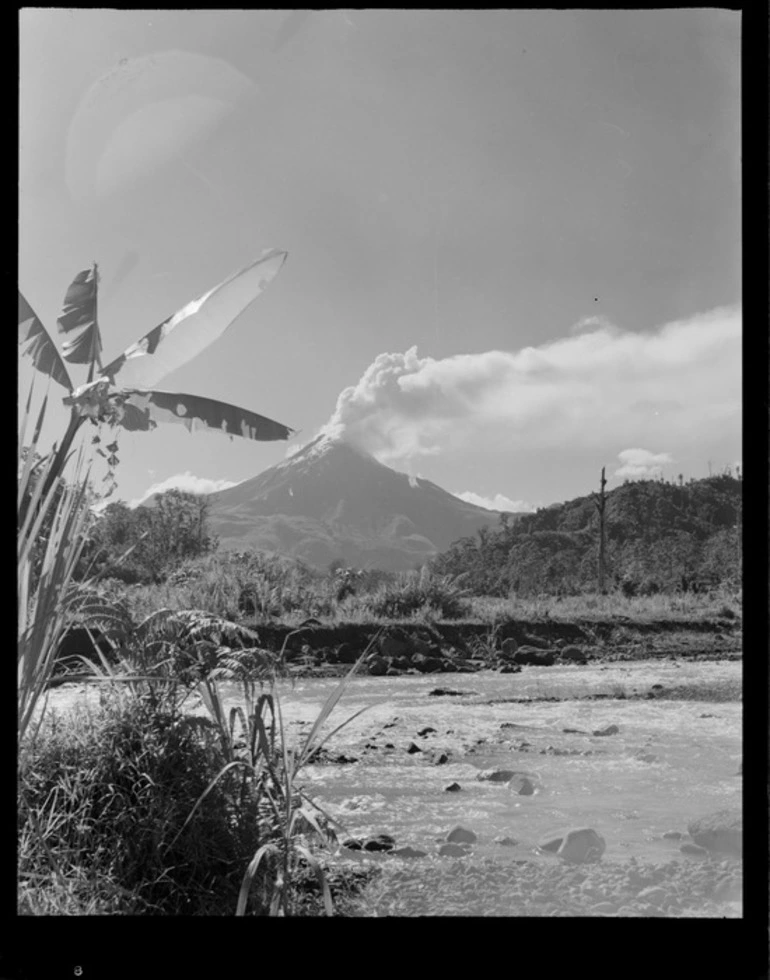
<point>143,410</point>
<point>193,328</point>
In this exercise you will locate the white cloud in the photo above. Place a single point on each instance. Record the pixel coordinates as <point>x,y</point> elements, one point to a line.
<point>639,463</point>
<point>590,391</point>
<point>184,481</point>
<point>498,502</point>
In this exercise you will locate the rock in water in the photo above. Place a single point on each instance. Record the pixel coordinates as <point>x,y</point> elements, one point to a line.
<point>581,846</point>
<point>721,832</point>
<point>461,836</point>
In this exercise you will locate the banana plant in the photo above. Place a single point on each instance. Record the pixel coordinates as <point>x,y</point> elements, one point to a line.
<point>132,402</point>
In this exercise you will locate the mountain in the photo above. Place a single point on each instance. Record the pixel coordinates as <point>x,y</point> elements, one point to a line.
<point>332,501</point>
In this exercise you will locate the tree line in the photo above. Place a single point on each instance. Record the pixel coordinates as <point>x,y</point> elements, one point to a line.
<point>658,537</point>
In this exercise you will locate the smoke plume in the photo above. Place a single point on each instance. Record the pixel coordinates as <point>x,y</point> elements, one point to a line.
<point>599,387</point>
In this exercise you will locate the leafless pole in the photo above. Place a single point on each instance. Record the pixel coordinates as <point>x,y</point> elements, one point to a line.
<point>600,500</point>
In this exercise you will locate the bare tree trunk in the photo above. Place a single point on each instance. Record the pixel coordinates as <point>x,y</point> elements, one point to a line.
<point>600,500</point>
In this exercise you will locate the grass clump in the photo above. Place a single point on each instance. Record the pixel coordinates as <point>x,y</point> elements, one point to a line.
<point>102,798</point>
<point>419,592</point>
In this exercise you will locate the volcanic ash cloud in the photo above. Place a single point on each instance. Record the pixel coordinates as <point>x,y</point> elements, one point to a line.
<point>585,390</point>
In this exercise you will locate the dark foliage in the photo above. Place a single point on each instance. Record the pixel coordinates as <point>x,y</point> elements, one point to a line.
<point>661,537</point>
<point>162,536</point>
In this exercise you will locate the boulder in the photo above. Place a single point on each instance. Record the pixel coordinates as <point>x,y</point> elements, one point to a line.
<point>452,788</point>
<point>378,667</point>
<point>412,748</point>
<point>573,655</point>
<point>382,842</point>
<point>721,832</point>
<point>347,653</point>
<point>454,850</point>
<point>393,645</point>
<point>581,846</point>
<point>609,730</point>
<point>426,731</point>
<point>551,844</point>
<point>534,657</point>
<point>441,759</point>
<point>495,775</point>
<point>461,836</point>
<point>409,852</point>
<point>427,665</point>
<point>506,841</point>
<point>508,647</point>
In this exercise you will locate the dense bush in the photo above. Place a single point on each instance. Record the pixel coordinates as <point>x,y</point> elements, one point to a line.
<point>105,795</point>
<point>146,544</point>
<point>415,592</point>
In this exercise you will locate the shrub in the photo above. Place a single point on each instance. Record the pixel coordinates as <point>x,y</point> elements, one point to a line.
<point>104,798</point>
<point>415,592</point>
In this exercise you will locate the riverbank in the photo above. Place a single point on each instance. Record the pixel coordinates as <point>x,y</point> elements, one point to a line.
<point>408,647</point>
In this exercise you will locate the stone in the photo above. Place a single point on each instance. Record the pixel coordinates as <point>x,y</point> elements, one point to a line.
<point>510,669</point>
<point>655,896</point>
<point>525,787</point>
<point>413,748</point>
<point>382,842</point>
<point>347,653</point>
<point>452,788</point>
<point>393,646</point>
<point>551,844</point>
<point>672,835</point>
<point>461,836</point>
<point>581,846</point>
<point>534,657</point>
<point>721,832</point>
<point>441,759</point>
<point>495,775</point>
<point>426,731</point>
<point>573,655</point>
<point>694,850</point>
<point>506,841</point>
<point>445,692</point>
<point>604,908</point>
<point>409,852</point>
<point>378,667</point>
<point>454,850</point>
<point>609,730</point>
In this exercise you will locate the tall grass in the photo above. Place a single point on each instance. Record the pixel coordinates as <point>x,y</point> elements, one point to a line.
<point>269,770</point>
<point>268,589</point>
<point>52,525</point>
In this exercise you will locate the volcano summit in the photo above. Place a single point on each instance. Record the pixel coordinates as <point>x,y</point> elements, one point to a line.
<point>332,501</point>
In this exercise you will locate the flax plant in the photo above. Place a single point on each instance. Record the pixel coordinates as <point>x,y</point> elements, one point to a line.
<point>271,769</point>
<point>52,521</point>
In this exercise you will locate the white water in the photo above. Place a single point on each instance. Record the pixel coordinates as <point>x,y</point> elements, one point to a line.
<point>629,801</point>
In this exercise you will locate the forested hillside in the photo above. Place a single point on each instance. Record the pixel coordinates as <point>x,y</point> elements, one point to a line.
<point>660,537</point>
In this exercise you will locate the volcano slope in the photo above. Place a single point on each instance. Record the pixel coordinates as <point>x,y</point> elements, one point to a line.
<point>333,501</point>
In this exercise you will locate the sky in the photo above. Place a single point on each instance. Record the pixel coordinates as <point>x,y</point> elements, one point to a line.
<point>513,236</point>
